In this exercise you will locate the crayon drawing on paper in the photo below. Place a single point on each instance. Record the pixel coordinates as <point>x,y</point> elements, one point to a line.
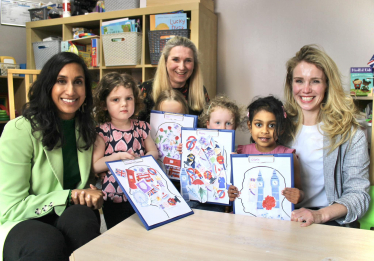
<point>206,166</point>
<point>260,187</point>
<point>167,139</point>
<point>152,194</point>
<point>166,133</point>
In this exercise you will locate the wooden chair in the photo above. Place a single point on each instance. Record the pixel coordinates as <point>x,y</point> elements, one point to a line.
<point>21,93</point>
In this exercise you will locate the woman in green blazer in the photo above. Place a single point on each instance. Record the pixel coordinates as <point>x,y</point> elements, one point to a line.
<point>46,209</point>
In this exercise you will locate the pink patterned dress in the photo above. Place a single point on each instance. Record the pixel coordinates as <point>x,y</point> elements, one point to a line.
<point>116,140</point>
<point>251,149</point>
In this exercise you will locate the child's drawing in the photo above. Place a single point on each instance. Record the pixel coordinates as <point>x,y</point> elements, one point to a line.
<point>166,133</point>
<point>167,138</point>
<point>151,193</point>
<point>149,188</point>
<point>260,185</point>
<point>205,165</point>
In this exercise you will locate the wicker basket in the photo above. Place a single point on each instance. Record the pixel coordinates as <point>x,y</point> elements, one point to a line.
<point>43,51</point>
<point>113,5</point>
<point>37,14</point>
<point>156,44</point>
<point>122,48</point>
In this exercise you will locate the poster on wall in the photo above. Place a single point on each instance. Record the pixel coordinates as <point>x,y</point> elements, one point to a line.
<point>16,12</point>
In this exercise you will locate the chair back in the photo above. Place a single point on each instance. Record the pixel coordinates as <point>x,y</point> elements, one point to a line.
<point>21,92</point>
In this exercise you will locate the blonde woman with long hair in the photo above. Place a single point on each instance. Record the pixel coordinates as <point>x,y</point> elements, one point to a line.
<point>178,68</point>
<point>331,147</point>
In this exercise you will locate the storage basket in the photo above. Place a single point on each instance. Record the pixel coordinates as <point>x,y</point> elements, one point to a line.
<point>5,66</point>
<point>158,39</point>
<point>43,51</point>
<point>122,48</point>
<point>113,5</point>
<point>37,14</point>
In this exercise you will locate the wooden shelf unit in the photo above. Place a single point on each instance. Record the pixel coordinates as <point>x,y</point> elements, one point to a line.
<point>19,93</point>
<point>365,100</point>
<point>203,33</point>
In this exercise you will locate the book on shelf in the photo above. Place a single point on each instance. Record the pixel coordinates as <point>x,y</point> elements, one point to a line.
<point>65,46</point>
<point>82,50</point>
<point>171,21</point>
<point>122,26</point>
<point>95,52</point>
<point>361,81</point>
<point>86,56</point>
<point>105,23</point>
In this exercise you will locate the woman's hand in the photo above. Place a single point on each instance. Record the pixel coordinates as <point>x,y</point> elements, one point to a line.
<point>293,195</point>
<point>233,192</point>
<point>92,197</point>
<point>307,216</point>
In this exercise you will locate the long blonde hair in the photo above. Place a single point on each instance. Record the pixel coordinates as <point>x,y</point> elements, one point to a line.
<point>196,99</point>
<point>337,110</point>
<point>171,95</point>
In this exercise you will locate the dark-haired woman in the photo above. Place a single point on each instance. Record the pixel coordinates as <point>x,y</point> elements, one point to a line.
<point>46,209</point>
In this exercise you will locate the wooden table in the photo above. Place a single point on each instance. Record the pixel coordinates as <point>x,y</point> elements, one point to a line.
<point>218,236</point>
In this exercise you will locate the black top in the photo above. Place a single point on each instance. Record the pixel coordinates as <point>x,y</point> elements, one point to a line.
<point>69,155</point>
<point>146,90</point>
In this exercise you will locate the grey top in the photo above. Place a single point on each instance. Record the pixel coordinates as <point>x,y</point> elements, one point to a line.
<point>346,172</point>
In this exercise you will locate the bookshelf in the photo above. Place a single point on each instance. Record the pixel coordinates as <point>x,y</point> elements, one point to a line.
<point>19,93</point>
<point>203,33</point>
<point>360,103</point>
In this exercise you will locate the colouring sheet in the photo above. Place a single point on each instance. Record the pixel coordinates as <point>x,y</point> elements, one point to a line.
<point>166,133</point>
<point>260,180</point>
<point>152,195</point>
<point>205,169</point>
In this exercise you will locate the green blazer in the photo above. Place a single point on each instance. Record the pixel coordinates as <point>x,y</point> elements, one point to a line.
<point>31,177</point>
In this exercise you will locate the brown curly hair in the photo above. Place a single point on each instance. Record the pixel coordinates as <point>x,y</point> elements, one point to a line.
<point>222,101</point>
<point>106,85</point>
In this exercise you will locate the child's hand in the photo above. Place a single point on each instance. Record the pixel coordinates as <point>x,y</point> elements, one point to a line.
<point>293,195</point>
<point>233,193</point>
<point>125,155</point>
<point>179,148</point>
<point>100,175</point>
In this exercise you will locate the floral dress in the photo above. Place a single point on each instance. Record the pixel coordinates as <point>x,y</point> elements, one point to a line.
<point>116,140</point>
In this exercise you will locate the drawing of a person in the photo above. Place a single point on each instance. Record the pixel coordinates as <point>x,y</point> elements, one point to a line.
<point>190,162</point>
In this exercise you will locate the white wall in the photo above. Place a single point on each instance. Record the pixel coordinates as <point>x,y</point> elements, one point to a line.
<point>257,37</point>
